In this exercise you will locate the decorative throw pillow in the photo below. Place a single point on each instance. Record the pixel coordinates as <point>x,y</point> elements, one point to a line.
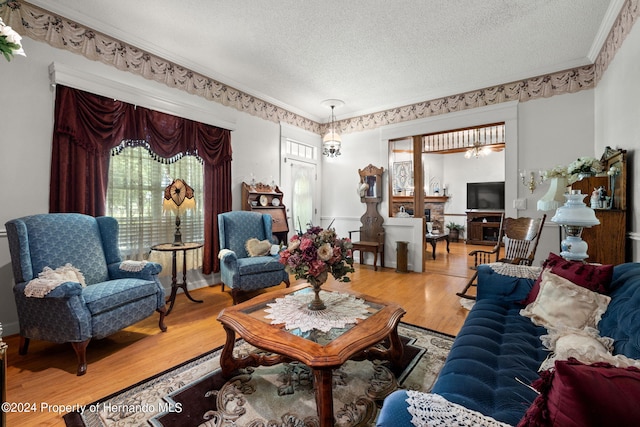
<point>257,247</point>
<point>575,394</point>
<point>563,304</point>
<point>585,345</point>
<point>595,277</point>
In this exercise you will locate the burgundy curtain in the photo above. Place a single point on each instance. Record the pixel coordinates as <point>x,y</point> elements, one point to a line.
<point>88,126</point>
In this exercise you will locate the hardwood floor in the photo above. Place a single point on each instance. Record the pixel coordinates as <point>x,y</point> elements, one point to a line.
<point>45,377</point>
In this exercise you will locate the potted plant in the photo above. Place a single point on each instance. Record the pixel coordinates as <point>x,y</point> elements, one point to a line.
<point>454,231</point>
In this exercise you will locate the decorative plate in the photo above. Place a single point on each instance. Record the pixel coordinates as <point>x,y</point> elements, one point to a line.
<point>275,201</point>
<point>263,200</point>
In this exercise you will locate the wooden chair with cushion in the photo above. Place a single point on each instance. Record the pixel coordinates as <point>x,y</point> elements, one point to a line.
<point>519,236</point>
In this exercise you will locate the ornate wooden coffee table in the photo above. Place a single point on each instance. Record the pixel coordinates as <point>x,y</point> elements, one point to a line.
<point>354,341</point>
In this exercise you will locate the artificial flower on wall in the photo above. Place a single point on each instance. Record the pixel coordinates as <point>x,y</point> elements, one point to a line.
<point>10,42</point>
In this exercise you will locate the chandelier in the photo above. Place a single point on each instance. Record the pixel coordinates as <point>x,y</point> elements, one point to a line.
<point>331,141</point>
<point>478,149</point>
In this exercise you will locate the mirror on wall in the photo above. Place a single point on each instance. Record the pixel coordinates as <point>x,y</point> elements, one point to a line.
<point>371,184</point>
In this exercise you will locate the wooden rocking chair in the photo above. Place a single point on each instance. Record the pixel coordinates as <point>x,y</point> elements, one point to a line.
<point>519,236</point>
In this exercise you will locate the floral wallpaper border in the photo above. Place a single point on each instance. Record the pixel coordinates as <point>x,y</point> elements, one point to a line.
<point>61,33</point>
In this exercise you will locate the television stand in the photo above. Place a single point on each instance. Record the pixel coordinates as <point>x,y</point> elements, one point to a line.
<point>483,226</point>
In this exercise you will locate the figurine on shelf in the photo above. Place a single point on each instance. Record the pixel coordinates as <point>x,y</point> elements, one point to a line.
<point>595,198</point>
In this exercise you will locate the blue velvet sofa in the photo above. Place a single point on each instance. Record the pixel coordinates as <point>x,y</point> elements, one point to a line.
<point>497,352</point>
<point>113,297</point>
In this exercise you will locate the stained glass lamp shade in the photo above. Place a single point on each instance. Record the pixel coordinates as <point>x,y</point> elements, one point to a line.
<point>178,197</point>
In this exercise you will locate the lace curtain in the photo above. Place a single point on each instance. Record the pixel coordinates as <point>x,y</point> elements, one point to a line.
<point>137,179</point>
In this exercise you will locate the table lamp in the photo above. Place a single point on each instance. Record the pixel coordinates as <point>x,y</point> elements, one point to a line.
<point>573,217</point>
<point>178,196</point>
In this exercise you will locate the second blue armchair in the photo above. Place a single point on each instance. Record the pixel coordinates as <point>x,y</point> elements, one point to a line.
<point>240,271</point>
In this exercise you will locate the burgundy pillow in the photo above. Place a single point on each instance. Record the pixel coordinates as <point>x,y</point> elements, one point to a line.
<point>594,277</point>
<point>582,395</point>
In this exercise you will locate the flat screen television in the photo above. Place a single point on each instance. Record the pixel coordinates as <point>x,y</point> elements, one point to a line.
<point>485,195</point>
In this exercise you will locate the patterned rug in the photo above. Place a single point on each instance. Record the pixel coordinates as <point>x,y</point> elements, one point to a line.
<point>195,394</point>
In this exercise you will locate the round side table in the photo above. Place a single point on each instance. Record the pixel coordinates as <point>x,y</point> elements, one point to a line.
<point>170,247</point>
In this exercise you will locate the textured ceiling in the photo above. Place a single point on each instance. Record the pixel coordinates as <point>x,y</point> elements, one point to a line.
<point>373,54</point>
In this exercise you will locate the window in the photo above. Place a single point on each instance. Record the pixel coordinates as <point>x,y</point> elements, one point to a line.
<point>137,179</point>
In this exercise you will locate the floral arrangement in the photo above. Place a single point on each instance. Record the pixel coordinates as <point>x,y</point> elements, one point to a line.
<point>316,253</point>
<point>556,172</point>
<point>583,165</point>
<point>10,42</point>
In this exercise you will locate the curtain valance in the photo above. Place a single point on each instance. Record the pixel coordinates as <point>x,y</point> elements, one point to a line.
<point>88,126</point>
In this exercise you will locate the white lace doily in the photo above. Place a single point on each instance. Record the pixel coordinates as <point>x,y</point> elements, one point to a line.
<point>292,310</point>
<point>429,409</point>
<point>516,270</point>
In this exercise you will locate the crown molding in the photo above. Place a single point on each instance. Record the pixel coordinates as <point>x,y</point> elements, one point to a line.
<point>59,32</point>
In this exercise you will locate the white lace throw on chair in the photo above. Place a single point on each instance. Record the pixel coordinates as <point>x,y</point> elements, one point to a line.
<point>428,409</point>
<point>49,279</point>
<point>516,270</point>
<point>132,266</point>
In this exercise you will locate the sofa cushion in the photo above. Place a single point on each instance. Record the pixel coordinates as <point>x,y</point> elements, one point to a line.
<point>563,304</point>
<point>495,354</point>
<point>622,317</point>
<point>575,394</point>
<point>595,277</point>
<point>108,295</point>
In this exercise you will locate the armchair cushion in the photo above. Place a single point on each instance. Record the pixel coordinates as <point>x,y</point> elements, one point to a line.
<point>108,295</point>
<point>258,264</point>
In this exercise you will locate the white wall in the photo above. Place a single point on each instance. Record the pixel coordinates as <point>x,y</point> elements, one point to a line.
<point>617,120</point>
<point>553,131</point>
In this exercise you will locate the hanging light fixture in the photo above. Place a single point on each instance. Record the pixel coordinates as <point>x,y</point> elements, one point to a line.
<point>478,149</point>
<point>331,141</point>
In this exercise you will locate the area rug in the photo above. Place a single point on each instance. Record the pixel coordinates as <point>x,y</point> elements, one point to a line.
<point>195,394</point>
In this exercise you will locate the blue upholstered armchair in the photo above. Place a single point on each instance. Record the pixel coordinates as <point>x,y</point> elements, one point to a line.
<point>240,271</point>
<point>114,296</point>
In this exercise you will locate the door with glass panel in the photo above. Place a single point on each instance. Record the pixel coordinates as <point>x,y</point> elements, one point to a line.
<point>302,209</point>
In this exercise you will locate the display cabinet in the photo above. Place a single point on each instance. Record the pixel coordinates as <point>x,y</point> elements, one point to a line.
<point>267,199</point>
<point>607,241</point>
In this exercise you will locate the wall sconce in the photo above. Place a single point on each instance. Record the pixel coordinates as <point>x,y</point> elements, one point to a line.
<point>531,183</point>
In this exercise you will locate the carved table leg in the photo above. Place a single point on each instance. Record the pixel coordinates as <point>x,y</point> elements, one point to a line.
<point>227,361</point>
<point>230,364</point>
<point>323,382</point>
